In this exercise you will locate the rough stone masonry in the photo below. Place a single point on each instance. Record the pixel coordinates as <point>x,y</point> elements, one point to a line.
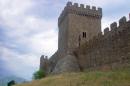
<point>82,45</point>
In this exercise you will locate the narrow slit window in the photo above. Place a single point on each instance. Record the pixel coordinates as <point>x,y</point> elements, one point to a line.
<point>84,34</point>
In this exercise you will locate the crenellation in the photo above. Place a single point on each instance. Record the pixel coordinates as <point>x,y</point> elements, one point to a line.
<point>113,26</point>
<point>122,21</point>
<point>93,8</point>
<point>100,10</point>
<point>69,4</point>
<point>80,10</point>
<point>75,5</point>
<point>106,30</point>
<point>88,7</point>
<point>82,5</point>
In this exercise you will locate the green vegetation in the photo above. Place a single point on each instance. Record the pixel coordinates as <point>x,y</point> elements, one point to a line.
<point>120,77</point>
<point>39,74</point>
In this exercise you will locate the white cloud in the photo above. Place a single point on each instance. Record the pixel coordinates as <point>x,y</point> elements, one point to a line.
<point>37,34</point>
<point>19,64</point>
<point>44,42</point>
<point>24,28</point>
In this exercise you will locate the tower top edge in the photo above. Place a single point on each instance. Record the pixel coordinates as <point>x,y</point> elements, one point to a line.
<point>80,9</point>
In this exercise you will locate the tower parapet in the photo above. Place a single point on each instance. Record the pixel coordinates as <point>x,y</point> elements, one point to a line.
<point>80,38</point>
<point>81,10</point>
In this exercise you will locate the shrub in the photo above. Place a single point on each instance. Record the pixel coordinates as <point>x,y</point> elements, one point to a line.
<point>39,74</point>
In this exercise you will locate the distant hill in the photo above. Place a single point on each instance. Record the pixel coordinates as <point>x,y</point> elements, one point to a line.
<point>118,77</point>
<point>5,80</point>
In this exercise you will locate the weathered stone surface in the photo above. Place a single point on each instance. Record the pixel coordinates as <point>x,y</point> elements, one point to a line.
<point>76,26</point>
<point>67,64</point>
<point>81,44</point>
<point>44,63</point>
<point>111,47</point>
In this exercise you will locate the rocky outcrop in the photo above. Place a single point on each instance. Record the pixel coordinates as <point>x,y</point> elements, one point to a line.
<point>67,64</point>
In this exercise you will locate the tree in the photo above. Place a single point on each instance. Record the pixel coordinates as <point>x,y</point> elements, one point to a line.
<point>39,74</point>
<point>11,83</point>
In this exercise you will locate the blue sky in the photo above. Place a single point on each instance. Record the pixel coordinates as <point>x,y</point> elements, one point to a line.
<point>28,29</point>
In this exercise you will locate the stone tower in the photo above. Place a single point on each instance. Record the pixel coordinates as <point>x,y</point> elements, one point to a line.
<point>77,24</point>
<point>81,26</point>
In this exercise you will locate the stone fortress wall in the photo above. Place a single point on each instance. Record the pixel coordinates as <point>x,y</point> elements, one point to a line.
<point>110,49</point>
<point>75,20</point>
<point>95,50</point>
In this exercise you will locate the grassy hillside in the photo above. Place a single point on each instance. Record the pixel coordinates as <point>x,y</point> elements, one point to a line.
<point>120,77</point>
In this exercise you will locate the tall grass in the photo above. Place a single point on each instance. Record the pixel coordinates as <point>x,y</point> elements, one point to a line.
<point>118,77</point>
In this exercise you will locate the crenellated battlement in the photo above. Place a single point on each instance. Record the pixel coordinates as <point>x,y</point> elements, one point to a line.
<point>81,10</point>
<point>114,30</point>
<point>110,33</point>
<point>112,47</point>
<point>82,43</point>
